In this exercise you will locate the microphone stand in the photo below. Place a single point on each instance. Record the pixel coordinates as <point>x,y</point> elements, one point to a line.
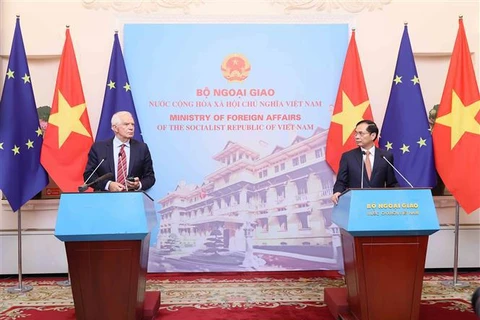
<point>401,175</point>
<point>455,282</point>
<point>20,288</point>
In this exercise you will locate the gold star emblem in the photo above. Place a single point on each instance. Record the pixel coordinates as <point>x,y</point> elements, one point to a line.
<point>397,79</point>
<point>461,119</point>
<point>415,80</point>
<point>126,87</point>
<point>349,116</point>
<point>67,119</point>
<point>1,145</point>
<point>29,144</point>
<point>39,132</point>
<point>404,148</point>
<point>26,78</point>
<point>422,142</point>
<point>389,145</point>
<point>10,74</point>
<point>111,85</point>
<point>16,150</point>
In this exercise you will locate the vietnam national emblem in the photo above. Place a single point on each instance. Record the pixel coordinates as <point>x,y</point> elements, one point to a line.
<point>235,67</point>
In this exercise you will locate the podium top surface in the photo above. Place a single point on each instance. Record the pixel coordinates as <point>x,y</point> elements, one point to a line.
<point>103,216</point>
<point>386,212</point>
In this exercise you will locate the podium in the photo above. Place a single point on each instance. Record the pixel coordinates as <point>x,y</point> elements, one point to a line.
<point>107,237</point>
<point>384,240</point>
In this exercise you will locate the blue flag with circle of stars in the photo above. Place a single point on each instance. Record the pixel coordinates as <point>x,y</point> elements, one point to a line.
<point>21,174</point>
<point>118,95</point>
<point>405,129</point>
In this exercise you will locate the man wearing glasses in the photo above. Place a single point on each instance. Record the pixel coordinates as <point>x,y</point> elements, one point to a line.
<point>377,173</point>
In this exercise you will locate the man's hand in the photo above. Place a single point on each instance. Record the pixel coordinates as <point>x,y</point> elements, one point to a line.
<point>133,185</point>
<point>335,197</point>
<point>115,187</point>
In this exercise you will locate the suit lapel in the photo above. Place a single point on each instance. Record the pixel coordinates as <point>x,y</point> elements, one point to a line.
<point>133,158</point>
<point>358,157</point>
<point>109,156</point>
<point>376,163</point>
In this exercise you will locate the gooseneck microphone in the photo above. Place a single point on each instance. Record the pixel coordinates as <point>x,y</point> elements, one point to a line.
<point>363,166</point>
<point>85,186</point>
<point>94,170</point>
<point>401,175</point>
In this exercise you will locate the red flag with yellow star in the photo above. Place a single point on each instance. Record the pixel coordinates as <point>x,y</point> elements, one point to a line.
<point>68,136</point>
<point>456,133</point>
<point>351,106</point>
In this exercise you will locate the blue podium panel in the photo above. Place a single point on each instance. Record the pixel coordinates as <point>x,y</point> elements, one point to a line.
<point>386,212</point>
<point>104,216</point>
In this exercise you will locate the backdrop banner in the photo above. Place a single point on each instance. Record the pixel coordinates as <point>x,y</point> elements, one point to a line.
<point>235,116</point>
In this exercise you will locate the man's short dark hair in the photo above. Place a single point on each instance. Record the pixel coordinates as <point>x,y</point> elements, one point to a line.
<point>371,128</point>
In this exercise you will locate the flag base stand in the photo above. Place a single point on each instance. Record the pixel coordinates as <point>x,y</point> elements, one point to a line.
<point>455,283</point>
<point>65,283</point>
<point>20,289</point>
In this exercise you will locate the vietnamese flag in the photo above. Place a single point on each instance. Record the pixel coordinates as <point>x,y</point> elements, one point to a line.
<point>68,136</point>
<point>351,106</point>
<point>456,133</point>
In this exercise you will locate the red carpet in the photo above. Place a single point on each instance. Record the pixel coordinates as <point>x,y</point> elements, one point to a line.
<point>237,296</point>
<point>430,310</point>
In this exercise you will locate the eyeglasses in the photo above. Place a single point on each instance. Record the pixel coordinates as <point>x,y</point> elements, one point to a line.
<point>361,133</point>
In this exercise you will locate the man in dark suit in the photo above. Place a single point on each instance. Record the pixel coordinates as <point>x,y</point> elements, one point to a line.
<point>127,159</point>
<point>377,173</point>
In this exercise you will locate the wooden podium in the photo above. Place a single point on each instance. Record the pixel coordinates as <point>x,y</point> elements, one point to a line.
<point>384,239</point>
<point>107,237</point>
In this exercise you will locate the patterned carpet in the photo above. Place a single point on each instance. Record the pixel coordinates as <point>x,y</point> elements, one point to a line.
<point>294,290</point>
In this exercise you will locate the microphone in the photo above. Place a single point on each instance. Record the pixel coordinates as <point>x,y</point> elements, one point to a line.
<point>94,170</point>
<point>363,165</point>
<point>401,175</point>
<point>85,186</point>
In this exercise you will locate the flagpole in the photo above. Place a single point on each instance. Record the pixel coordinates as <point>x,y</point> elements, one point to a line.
<point>455,282</point>
<point>21,287</point>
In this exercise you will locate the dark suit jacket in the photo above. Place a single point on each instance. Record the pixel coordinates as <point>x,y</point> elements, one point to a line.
<point>350,171</point>
<point>140,164</point>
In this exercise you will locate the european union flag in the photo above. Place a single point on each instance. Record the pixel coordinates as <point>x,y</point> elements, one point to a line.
<point>21,174</point>
<point>118,95</point>
<point>405,130</point>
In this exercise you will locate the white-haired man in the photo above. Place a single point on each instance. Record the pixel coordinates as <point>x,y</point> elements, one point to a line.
<point>127,159</point>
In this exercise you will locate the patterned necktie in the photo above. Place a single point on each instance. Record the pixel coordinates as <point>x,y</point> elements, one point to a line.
<point>122,165</point>
<point>368,164</point>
